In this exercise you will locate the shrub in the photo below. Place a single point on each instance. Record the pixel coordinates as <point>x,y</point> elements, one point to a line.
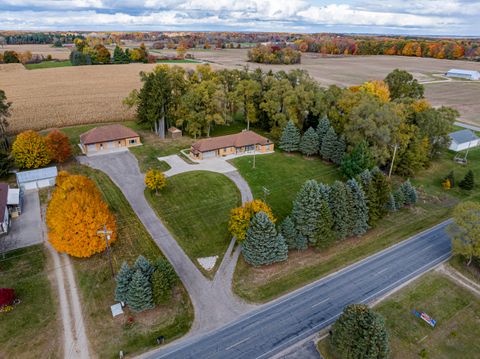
<point>30,150</point>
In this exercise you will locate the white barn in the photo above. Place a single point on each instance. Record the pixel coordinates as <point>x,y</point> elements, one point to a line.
<point>463,140</point>
<point>463,74</point>
<point>39,178</point>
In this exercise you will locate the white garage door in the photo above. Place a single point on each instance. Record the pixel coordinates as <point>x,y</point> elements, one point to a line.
<point>91,148</point>
<point>43,183</point>
<point>30,185</point>
<point>209,154</point>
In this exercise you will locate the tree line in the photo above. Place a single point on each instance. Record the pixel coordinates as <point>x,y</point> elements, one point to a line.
<point>321,215</point>
<point>273,54</point>
<point>361,123</point>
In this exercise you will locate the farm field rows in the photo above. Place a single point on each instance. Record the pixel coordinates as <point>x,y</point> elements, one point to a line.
<point>78,95</point>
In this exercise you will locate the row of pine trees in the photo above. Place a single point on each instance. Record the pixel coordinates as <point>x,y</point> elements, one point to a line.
<point>323,214</point>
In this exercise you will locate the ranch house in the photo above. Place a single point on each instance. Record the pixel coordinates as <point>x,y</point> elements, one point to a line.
<point>244,142</point>
<point>107,139</point>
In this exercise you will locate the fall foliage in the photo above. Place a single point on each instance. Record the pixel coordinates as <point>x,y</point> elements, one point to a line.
<point>240,217</point>
<point>58,146</point>
<point>30,150</point>
<point>74,215</point>
<point>155,180</point>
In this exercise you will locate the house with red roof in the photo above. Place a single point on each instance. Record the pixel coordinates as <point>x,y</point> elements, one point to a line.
<point>106,139</point>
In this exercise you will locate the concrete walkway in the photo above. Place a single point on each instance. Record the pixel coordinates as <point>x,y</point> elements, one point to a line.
<point>213,301</point>
<point>178,165</point>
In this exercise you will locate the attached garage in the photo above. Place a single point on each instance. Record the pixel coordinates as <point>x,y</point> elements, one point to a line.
<point>209,154</point>
<point>35,179</point>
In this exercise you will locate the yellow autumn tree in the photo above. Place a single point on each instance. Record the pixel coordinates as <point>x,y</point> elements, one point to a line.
<point>30,150</point>
<point>74,215</point>
<point>240,217</point>
<point>377,88</point>
<point>155,180</point>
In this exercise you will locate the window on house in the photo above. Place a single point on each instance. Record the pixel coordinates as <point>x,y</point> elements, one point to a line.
<point>132,141</point>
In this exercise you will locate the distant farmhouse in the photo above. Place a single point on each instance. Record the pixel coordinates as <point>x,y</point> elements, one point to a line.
<point>241,143</point>
<point>107,139</point>
<point>463,140</point>
<point>464,74</point>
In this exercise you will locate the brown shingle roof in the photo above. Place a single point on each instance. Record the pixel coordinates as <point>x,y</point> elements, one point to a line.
<point>244,138</point>
<point>107,133</point>
<point>3,200</point>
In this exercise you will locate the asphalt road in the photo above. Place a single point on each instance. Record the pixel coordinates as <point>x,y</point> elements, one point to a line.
<point>280,324</point>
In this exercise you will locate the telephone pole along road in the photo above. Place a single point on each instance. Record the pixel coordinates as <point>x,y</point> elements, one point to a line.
<point>280,324</point>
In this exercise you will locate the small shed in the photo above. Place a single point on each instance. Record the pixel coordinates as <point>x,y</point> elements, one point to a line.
<point>14,202</point>
<point>463,140</point>
<point>39,178</point>
<point>174,133</point>
<point>464,74</point>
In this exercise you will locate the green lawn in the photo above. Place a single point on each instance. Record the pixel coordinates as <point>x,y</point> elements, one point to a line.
<point>456,310</point>
<point>48,65</point>
<point>108,335</point>
<point>283,175</point>
<point>472,271</point>
<point>195,206</point>
<point>32,329</point>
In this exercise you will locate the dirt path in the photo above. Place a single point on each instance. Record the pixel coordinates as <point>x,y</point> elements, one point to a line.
<point>75,342</point>
<point>459,278</point>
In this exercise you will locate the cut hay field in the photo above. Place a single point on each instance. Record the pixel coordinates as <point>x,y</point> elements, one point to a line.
<point>60,53</point>
<point>66,96</point>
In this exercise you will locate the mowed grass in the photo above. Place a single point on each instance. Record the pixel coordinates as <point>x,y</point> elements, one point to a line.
<point>283,175</point>
<point>195,207</point>
<point>32,329</point>
<point>456,310</point>
<point>48,65</point>
<point>263,284</point>
<point>108,335</point>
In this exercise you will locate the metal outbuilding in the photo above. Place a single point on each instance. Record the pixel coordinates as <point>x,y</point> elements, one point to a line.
<point>464,74</point>
<point>463,140</point>
<point>39,178</point>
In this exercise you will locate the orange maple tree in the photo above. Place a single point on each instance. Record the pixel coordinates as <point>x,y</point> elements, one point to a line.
<point>58,146</point>
<point>74,215</point>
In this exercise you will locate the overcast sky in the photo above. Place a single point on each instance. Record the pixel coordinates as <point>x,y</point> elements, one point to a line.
<point>428,17</point>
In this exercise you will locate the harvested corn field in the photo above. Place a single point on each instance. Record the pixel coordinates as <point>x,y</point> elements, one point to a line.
<point>67,96</point>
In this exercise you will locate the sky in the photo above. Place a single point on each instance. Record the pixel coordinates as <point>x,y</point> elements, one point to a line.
<point>420,17</point>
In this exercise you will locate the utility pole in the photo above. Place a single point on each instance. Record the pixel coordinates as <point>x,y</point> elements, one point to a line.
<point>393,159</point>
<point>266,192</point>
<point>254,152</point>
<point>107,234</point>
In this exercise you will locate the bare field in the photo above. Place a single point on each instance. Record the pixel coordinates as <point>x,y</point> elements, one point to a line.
<point>67,96</point>
<point>61,53</point>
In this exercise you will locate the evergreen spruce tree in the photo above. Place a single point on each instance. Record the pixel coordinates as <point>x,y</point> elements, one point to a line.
<point>289,232</point>
<point>309,143</point>
<point>409,193</point>
<point>339,152</point>
<point>325,233</point>
<point>329,144</point>
<point>123,278</point>
<point>145,266</point>
<point>118,55</point>
<point>358,160</point>
<point>339,208</point>
<point>324,191</point>
<point>391,205</point>
<point>378,195</point>
<point>305,211</point>
<point>163,280</point>
<point>322,129</point>
<point>290,140</point>
<point>358,208</point>
<point>399,197</point>
<point>360,333</point>
<point>365,178</point>
<point>262,245</point>
<point>468,182</point>
<point>139,296</point>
